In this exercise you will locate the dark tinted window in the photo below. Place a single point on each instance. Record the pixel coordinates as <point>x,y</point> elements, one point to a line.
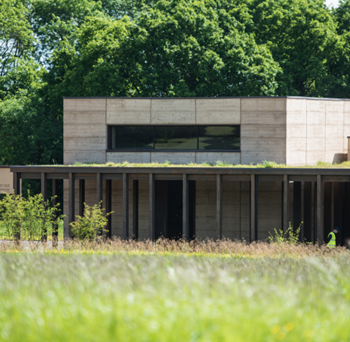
<point>175,138</point>
<point>131,137</point>
<point>219,137</point>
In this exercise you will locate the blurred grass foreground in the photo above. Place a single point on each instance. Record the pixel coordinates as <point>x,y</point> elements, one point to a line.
<point>173,291</point>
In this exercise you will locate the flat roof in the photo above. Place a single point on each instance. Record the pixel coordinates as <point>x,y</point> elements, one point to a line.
<point>218,97</point>
<point>182,170</point>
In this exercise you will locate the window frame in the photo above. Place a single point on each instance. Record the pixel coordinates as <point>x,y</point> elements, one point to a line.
<point>109,140</point>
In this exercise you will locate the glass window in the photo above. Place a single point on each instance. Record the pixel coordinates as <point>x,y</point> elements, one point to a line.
<point>219,137</point>
<point>175,138</point>
<point>131,137</point>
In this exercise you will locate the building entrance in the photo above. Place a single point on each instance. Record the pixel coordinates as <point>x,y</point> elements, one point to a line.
<point>168,198</point>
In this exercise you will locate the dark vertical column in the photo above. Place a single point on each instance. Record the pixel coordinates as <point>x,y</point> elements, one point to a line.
<point>185,208</point>
<point>44,195</point>
<point>152,219</point>
<point>71,203</point>
<point>125,206</point>
<point>320,228</point>
<point>332,207</point>
<point>54,203</point>
<point>192,208</point>
<point>219,206</point>
<point>307,212</point>
<point>285,202</point>
<point>344,215</point>
<point>135,211</point>
<point>17,183</point>
<point>327,205</point>
<point>99,194</point>
<point>81,196</point>
<point>253,233</point>
<point>296,205</point>
<point>99,188</point>
<point>109,207</point>
<point>18,190</point>
<point>302,211</point>
<point>313,211</point>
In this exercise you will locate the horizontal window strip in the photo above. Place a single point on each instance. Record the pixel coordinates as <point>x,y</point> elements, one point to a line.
<point>174,138</point>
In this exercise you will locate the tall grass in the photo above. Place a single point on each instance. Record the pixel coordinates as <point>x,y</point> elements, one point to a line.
<point>173,298</point>
<point>218,163</point>
<point>220,248</point>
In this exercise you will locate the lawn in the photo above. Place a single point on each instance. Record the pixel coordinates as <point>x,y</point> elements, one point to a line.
<point>145,292</point>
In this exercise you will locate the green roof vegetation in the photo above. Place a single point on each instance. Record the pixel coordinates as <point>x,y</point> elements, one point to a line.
<point>265,164</point>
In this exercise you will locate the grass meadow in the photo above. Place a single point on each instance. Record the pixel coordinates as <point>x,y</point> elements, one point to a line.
<point>174,291</point>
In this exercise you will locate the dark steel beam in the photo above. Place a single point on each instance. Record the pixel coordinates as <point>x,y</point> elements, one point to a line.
<point>99,188</point>
<point>320,228</point>
<point>109,207</point>
<point>218,206</point>
<point>44,196</point>
<point>54,203</point>
<point>135,209</point>
<point>125,206</point>
<point>285,202</point>
<point>253,233</point>
<point>17,183</point>
<point>292,172</point>
<point>71,204</point>
<point>185,208</point>
<point>81,196</point>
<point>152,219</point>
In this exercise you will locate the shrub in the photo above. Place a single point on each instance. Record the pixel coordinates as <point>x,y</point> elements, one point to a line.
<point>289,236</point>
<point>93,221</point>
<point>28,218</point>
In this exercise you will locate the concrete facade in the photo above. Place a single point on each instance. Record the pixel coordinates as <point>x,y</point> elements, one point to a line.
<point>292,131</point>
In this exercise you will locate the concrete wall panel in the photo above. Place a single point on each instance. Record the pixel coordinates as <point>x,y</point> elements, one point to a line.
<point>173,157</point>
<point>70,157</point>
<point>263,118</point>
<point>316,131</point>
<point>312,157</point>
<point>231,210</point>
<point>270,208</point>
<point>259,157</point>
<point>84,118</point>
<point>265,105</point>
<point>316,144</point>
<point>297,144</point>
<point>316,106</point>
<point>296,131</point>
<point>83,144</point>
<point>263,131</point>
<point>316,118</point>
<point>218,111</point>
<point>296,158</point>
<point>84,105</point>
<point>206,210</point>
<point>295,107</point>
<point>212,157</point>
<point>128,111</point>
<point>176,111</point>
<point>131,157</point>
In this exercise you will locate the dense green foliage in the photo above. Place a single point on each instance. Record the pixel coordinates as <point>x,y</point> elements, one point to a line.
<point>55,48</point>
<point>92,223</point>
<point>28,218</point>
<point>167,298</point>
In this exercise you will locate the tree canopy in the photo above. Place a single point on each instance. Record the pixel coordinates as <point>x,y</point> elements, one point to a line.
<point>55,48</point>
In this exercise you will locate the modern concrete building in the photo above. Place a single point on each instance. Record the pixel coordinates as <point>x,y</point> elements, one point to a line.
<point>245,203</point>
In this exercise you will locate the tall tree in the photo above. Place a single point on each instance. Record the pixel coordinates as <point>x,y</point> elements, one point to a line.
<point>302,37</point>
<point>175,48</point>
